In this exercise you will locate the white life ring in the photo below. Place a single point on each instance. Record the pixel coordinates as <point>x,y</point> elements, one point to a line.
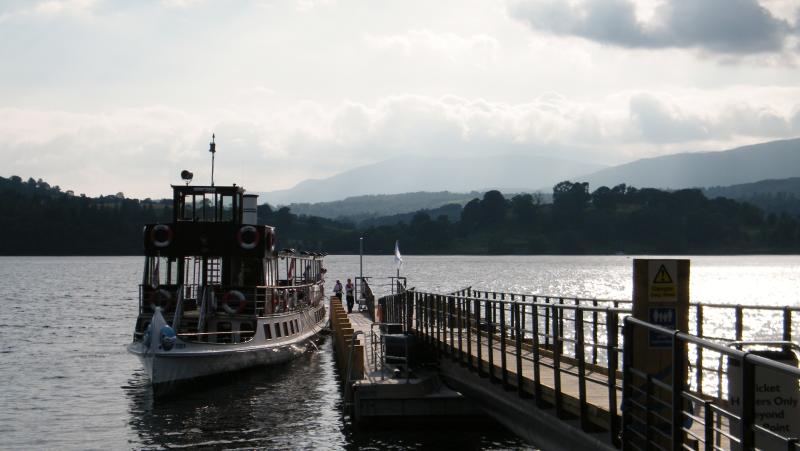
<point>161,235</point>
<point>231,297</point>
<point>248,237</point>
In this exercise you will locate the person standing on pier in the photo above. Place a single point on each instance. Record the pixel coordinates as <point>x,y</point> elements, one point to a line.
<point>337,289</point>
<point>350,298</point>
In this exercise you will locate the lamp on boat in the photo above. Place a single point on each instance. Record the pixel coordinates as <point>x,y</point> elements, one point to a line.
<point>187,176</point>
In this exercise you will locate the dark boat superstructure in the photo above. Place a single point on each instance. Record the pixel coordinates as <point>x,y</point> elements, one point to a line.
<point>216,296</point>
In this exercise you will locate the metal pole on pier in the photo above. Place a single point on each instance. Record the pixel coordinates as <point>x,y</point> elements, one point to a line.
<point>361,258</point>
<point>212,147</point>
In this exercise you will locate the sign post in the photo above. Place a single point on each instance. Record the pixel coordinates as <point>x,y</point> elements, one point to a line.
<point>660,297</point>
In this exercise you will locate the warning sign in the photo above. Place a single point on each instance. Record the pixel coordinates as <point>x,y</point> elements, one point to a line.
<point>662,276</point>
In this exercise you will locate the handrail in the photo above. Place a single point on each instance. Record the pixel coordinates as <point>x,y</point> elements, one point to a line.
<point>628,301</point>
<point>741,426</point>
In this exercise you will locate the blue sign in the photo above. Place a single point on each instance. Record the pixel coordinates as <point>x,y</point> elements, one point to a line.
<point>667,318</point>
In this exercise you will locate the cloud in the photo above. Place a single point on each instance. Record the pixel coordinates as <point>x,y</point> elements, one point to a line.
<point>139,150</point>
<point>475,48</point>
<point>737,27</point>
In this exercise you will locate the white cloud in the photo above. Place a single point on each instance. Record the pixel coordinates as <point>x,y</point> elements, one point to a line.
<point>138,151</point>
<point>476,49</point>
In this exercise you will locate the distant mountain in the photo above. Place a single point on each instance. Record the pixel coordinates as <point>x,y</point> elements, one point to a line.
<point>771,160</point>
<point>412,174</point>
<point>359,208</point>
<point>772,196</point>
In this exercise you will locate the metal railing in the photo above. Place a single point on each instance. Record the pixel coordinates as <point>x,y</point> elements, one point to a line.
<point>662,412</point>
<point>530,336</point>
<point>724,323</point>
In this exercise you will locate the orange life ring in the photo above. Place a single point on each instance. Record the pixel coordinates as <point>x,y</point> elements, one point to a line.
<point>231,297</point>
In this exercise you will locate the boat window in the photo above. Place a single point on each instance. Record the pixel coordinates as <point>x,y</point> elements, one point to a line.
<point>226,208</point>
<point>278,330</point>
<point>267,331</point>
<point>296,326</point>
<point>285,329</point>
<point>291,326</point>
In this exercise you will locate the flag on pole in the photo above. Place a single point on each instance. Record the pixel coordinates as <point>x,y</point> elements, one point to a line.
<point>398,259</point>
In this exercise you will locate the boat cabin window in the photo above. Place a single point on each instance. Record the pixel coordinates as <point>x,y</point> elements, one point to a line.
<point>291,324</point>
<point>285,329</point>
<point>208,204</point>
<point>267,331</point>
<point>278,330</point>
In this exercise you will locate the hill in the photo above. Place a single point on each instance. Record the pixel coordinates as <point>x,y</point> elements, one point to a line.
<point>359,208</point>
<point>771,160</point>
<point>511,173</point>
<point>772,196</point>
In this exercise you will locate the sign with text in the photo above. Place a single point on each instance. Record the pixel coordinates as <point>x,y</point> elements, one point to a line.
<point>662,276</point>
<point>665,317</point>
<point>776,398</point>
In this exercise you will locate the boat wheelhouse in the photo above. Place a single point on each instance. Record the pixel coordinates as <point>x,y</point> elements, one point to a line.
<point>216,296</point>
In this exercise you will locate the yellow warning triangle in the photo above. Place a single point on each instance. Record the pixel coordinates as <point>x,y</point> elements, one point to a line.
<point>662,276</point>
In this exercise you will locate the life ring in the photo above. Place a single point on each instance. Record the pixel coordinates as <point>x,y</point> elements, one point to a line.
<point>159,298</point>
<point>161,235</point>
<point>231,297</point>
<point>248,237</point>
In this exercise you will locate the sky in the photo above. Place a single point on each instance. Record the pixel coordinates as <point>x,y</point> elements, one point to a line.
<point>103,96</point>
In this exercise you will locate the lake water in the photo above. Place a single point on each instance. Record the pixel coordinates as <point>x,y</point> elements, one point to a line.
<point>68,382</point>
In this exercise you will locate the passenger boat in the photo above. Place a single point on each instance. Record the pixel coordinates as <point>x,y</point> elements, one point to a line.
<point>216,296</point>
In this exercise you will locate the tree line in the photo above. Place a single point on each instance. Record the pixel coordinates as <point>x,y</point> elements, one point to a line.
<point>38,219</point>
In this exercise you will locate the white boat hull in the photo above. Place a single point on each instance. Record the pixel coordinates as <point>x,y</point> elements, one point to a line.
<point>185,361</point>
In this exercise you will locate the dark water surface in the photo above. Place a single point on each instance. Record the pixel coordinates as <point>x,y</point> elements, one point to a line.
<point>69,383</point>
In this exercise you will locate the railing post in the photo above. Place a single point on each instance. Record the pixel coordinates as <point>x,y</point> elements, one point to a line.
<point>490,338</point>
<point>547,324</point>
<point>611,342</point>
<point>627,383</point>
<point>468,308</point>
<point>708,419</point>
<point>748,397</point>
<point>557,360</point>
<point>460,324</point>
<point>739,324</point>
<point>579,356</point>
<point>787,327</point>
<point>648,403</point>
<point>518,345</point>
<point>537,380</point>
<point>594,333</point>
<point>450,320</point>
<point>678,356</point>
<point>511,330</point>
<point>478,334</point>
<point>698,360</point>
<point>503,357</point>
<point>439,317</point>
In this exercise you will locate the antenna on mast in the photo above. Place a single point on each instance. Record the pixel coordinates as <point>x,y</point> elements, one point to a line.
<point>212,147</point>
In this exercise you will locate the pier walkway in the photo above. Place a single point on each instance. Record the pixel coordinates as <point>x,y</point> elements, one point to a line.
<point>556,370</point>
